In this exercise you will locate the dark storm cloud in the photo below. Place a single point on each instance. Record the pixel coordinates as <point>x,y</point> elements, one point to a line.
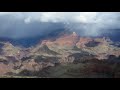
<point>11,27</point>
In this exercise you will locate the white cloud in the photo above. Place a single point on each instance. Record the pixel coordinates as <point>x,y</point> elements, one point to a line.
<point>65,16</point>
<point>86,17</point>
<point>54,16</point>
<point>27,20</point>
<point>5,13</point>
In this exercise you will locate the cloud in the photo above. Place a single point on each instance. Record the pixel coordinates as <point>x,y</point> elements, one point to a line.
<point>5,13</point>
<point>14,24</point>
<point>27,20</point>
<point>86,17</point>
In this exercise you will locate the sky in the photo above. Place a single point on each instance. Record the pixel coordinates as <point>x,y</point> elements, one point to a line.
<point>29,24</point>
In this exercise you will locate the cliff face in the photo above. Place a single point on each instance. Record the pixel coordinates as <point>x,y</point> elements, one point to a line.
<point>63,42</point>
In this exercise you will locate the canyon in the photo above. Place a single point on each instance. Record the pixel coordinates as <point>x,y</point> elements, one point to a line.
<point>80,56</point>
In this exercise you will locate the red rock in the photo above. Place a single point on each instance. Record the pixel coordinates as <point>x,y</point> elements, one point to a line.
<point>81,43</point>
<point>65,40</point>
